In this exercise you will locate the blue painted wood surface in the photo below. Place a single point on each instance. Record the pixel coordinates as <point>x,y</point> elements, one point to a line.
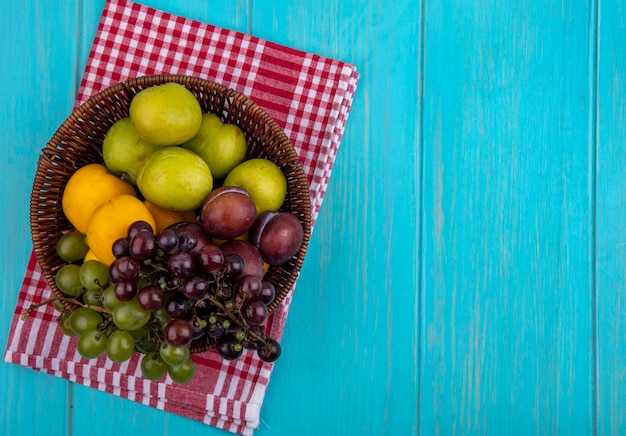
<point>467,269</point>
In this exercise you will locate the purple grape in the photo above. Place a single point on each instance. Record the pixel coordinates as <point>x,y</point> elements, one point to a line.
<point>254,311</point>
<point>120,247</point>
<point>210,258</point>
<point>125,290</point>
<point>127,267</point>
<point>143,246</point>
<point>168,241</point>
<point>249,287</point>
<point>268,292</point>
<point>139,226</point>
<point>228,347</point>
<point>270,351</point>
<point>198,327</point>
<point>187,241</point>
<point>195,287</point>
<point>150,298</point>
<point>162,280</point>
<point>197,230</point>
<point>215,330</point>
<point>234,265</point>
<point>178,307</point>
<point>178,332</point>
<point>181,265</point>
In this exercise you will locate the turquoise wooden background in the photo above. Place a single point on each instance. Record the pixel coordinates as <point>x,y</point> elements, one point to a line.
<point>467,270</point>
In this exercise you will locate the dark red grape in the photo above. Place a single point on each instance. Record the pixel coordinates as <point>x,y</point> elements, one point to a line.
<point>151,298</point>
<point>254,311</point>
<point>181,265</point>
<point>127,267</point>
<point>252,260</point>
<point>195,287</point>
<point>249,287</point>
<point>143,246</point>
<point>215,330</point>
<point>210,258</point>
<point>227,212</point>
<point>270,351</point>
<point>187,241</point>
<point>268,292</point>
<point>277,235</point>
<point>198,326</point>
<point>228,347</point>
<point>120,247</point>
<point>162,280</point>
<point>178,332</point>
<point>168,241</point>
<point>125,290</point>
<point>197,230</point>
<point>139,226</point>
<point>178,307</point>
<point>234,265</point>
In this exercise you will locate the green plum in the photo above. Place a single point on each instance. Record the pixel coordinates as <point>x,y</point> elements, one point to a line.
<point>167,114</point>
<point>221,145</point>
<point>124,151</point>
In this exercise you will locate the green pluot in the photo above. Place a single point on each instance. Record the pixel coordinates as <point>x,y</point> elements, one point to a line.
<point>221,145</point>
<point>167,114</point>
<point>124,151</point>
<point>264,181</point>
<point>175,178</point>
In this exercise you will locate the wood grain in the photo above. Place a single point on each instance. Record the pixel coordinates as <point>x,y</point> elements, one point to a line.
<point>611,217</point>
<point>508,219</point>
<point>466,272</point>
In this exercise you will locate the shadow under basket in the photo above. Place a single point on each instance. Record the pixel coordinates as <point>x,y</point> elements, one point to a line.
<point>78,142</point>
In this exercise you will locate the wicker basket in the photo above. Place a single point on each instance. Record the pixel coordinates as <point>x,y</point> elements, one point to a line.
<point>78,142</point>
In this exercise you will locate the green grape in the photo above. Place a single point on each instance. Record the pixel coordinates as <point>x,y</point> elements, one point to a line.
<point>94,275</point>
<point>120,346</point>
<point>182,373</point>
<point>146,345</point>
<point>64,324</point>
<point>67,280</point>
<point>152,366</point>
<point>58,305</point>
<point>83,320</point>
<point>91,344</point>
<point>109,300</point>
<point>92,297</point>
<point>139,334</point>
<point>129,315</point>
<point>71,247</point>
<point>173,355</point>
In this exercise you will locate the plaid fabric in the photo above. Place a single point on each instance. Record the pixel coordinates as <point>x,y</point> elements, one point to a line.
<point>308,95</point>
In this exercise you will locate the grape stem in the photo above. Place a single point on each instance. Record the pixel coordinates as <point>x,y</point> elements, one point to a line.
<point>236,320</point>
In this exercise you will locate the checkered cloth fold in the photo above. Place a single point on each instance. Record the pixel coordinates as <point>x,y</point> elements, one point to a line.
<point>308,95</point>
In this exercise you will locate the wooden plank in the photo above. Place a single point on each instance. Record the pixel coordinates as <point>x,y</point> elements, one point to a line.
<point>350,345</point>
<point>611,217</point>
<point>36,73</point>
<point>508,219</point>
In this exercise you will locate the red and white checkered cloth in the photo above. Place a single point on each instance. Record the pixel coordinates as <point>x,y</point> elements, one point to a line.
<point>308,95</point>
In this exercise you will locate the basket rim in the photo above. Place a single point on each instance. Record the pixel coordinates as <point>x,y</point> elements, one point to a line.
<point>101,99</point>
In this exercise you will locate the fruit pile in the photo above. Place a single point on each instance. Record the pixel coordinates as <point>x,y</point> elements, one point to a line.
<point>173,235</point>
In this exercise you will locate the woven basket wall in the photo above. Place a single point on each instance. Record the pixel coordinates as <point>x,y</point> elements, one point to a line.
<point>78,142</point>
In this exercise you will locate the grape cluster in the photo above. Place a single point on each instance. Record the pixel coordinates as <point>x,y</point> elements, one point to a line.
<point>164,291</point>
